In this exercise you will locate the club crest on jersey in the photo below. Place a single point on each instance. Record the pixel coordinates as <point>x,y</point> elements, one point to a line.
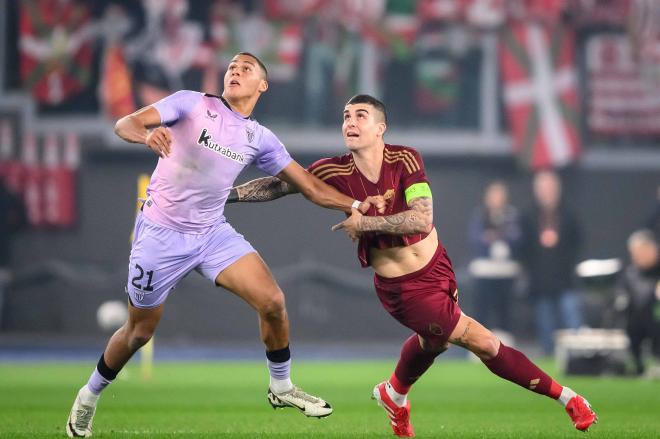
<point>388,194</point>
<point>211,115</point>
<point>250,134</point>
<point>206,141</point>
<point>435,329</point>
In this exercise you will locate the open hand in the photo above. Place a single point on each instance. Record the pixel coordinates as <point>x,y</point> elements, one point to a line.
<point>159,141</point>
<point>350,225</point>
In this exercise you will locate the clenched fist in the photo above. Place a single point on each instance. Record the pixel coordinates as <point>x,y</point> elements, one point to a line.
<point>159,141</point>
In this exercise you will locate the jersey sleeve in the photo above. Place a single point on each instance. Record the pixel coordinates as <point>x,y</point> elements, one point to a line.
<point>273,156</point>
<point>413,173</point>
<point>176,106</point>
<point>320,170</point>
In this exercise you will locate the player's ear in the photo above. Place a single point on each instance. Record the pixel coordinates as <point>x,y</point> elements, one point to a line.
<point>263,86</point>
<point>382,127</point>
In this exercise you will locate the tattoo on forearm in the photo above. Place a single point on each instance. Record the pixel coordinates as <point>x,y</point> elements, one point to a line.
<point>395,220</point>
<point>398,224</point>
<point>463,339</point>
<point>415,220</point>
<point>264,189</point>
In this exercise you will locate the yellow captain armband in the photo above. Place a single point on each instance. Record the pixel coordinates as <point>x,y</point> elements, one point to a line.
<point>418,190</point>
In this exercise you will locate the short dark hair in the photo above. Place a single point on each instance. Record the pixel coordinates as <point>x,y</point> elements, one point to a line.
<point>643,235</point>
<point>367,99</point>
<point>262,65</point>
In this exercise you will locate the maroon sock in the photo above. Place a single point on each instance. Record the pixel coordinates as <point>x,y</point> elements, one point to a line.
<point>514,366</point>
<point>413,362</point>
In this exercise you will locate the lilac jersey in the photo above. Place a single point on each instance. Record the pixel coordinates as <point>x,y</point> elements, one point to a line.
<point>211,145</point>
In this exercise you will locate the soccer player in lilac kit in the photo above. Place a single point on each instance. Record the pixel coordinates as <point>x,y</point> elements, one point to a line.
<point>204,142</point>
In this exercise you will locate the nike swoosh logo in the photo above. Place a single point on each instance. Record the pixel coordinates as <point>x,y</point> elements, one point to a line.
<point>297,406</point>
<point>291,404</point>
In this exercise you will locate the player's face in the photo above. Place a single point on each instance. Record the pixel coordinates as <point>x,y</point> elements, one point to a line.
<point>243,78</point>
<point>362,127</point>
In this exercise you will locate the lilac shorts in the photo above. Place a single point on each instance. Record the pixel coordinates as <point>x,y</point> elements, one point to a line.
<point>161,257</point>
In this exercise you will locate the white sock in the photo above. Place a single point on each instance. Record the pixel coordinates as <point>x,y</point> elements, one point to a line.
<point>397,397</point>
<point>280,386</point>
<point>566,395</point>
<point>87,397</point>
<point>280,380</point>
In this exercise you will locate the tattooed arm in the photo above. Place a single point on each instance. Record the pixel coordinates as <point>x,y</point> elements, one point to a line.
<point>418,219</point>
<point>261,189</point>
<point>272,188</point>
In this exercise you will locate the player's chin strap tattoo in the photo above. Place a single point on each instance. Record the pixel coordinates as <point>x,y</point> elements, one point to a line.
<point>261,189</point>
<point>419,219</point>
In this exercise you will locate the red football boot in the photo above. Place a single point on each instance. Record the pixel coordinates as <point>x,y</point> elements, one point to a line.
<point>581,413</point>
<point>399,416</point>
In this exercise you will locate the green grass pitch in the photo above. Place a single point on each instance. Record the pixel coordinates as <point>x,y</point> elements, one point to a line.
<point>207,400</point>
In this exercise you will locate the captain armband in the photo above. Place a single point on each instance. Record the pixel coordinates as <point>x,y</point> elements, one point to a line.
<point>418,190</point>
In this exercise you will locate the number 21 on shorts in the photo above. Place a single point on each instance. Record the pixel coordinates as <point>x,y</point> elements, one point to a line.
<point>139,282</point>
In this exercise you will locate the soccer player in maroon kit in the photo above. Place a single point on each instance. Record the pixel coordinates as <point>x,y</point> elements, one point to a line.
<point>414,278</point>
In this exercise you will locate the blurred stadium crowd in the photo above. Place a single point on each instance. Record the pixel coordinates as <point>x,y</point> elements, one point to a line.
<point>426,56</point>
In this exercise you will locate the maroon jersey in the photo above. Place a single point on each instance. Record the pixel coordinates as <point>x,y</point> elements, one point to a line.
<point>402,167</point>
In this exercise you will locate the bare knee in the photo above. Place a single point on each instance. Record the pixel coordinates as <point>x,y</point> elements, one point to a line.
<point>485,347</point>
<point>429,346</point>
<point>138,336</point>
<point>273,308</point>
<point>473,336</point>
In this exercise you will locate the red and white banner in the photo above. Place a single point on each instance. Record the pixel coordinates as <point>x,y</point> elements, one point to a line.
<point>293,9</point>
<point>55,47</point>
<point>59,180</point>
<point>590,12</point>
<point>50,192</point>
<point>33,178</point>
<point>540,93</point>
<point>66,179</point>
<point>480,13</point>
<point>546,11</point>
<point>621,99</point>
<point>44,177</point>
<point>442,10</point>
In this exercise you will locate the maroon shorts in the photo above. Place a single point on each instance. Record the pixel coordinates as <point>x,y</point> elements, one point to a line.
<point>425,301</point>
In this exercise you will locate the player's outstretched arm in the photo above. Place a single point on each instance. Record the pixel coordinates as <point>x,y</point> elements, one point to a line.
<point>418,219</point>
<point>323,194</point>
<point>261,189</point>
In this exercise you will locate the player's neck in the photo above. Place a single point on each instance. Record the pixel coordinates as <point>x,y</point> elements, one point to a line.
<point>369,161</point>
<point>242,106</point>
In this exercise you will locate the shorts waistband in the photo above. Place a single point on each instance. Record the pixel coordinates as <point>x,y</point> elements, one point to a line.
<point>415,274</point>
